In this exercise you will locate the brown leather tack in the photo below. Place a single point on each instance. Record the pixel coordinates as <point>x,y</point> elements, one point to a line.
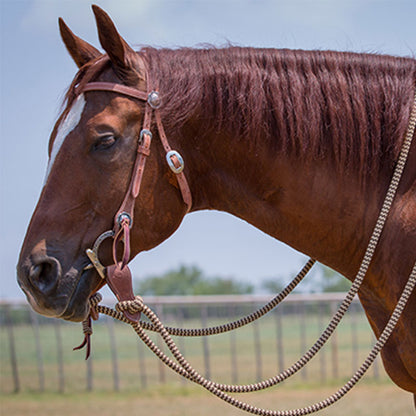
<point>120,282</point>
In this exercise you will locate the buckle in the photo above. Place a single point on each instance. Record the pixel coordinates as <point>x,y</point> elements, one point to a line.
<point>124,216</point>
<point>143,132</point>
<point>173,168</point>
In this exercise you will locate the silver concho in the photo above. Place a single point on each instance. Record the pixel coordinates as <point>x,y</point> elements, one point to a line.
<point>154,99</point>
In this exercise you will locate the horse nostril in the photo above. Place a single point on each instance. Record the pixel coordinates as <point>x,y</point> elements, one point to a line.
<point>44,274</point>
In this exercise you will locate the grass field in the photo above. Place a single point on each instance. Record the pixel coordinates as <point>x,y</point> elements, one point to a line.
<point>144,385</point>
<point>249,354</point>
<point>365,400</point>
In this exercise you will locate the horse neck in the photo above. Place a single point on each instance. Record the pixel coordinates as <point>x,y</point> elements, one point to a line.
<point>306,206</point>
<point>266,175</point>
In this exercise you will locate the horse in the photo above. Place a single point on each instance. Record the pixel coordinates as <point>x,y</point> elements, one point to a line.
<point>300,144</point>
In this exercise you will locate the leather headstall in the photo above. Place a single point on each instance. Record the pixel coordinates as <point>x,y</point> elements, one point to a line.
<point>118,275</point>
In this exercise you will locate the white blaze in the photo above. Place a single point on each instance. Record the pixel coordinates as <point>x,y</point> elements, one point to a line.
<point>67,125</point>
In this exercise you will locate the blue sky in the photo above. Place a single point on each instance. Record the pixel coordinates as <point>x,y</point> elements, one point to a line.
<point>36,70</point>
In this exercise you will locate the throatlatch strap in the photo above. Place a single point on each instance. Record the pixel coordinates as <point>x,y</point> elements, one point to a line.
<point>183,183</point>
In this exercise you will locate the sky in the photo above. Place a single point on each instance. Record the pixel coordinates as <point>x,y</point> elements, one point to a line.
<point>36,70</point>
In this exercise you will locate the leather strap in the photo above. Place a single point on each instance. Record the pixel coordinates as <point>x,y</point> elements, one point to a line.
<point>123,235</point>
<point>118,88</point>
<point>183,183</point>
<point>120,282</point>
<point>127,206</point>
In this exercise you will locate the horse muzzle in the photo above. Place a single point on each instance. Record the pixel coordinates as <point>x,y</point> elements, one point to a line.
<point>53,293</point>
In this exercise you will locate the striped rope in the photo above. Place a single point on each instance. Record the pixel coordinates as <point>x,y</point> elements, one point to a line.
<point>198,332</point>
<point>184,368</point>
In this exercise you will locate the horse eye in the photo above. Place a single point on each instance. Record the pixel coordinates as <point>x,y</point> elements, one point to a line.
<point>105,142</point>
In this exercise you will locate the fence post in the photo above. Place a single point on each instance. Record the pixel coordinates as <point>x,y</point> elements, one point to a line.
<point>35,326</point>
<point>205,346</point>
<point>12,346</point>
<point>257,349</point>
<point>181,340</point>
<point>354,338</point>
<point>161,345</point>
<point>334,345</point>
<point>376,369</point>
<point>301,310</point>
<point>142,364</point>
<point>233,348</point>
<point>89,368</point>
<point>61,373</point>
<point>321,328</point>
<point>113,348</point>
<point>279,339</point>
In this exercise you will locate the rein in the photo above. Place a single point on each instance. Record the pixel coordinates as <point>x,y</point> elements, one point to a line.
<point>129,307</point>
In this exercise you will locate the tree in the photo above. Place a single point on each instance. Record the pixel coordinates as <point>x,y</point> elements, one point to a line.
<point>333,281</point>
<point>273,285</point>
<point>325,280</point>
<point>190,280</point>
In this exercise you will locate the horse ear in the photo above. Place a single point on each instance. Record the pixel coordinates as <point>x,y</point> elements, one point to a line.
<point>122,56</point>
<point>81,51</point>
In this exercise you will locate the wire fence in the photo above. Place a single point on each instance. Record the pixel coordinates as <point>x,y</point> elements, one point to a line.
<point>36,352</point>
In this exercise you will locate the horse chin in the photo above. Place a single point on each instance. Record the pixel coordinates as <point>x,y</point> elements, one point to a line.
<point>71,306</point>
<point>78,307</point>
<point>38,305</point>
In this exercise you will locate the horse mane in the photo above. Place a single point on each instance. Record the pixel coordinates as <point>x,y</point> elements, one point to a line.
<point>351,107</point>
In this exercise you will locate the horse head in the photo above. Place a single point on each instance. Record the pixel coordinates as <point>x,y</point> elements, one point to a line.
<point>92,155</point>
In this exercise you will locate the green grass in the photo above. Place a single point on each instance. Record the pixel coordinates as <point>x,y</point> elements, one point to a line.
<point>331,366</point>
<point>166,393</point>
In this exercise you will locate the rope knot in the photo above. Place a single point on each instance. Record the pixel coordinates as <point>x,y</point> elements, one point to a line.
<point>87,327</point>
<point>131,306</point>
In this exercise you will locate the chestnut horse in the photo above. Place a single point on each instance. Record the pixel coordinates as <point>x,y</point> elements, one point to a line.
<point>300,144</point>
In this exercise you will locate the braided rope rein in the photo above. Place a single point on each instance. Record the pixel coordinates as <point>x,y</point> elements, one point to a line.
<point>186,370</point>
<point>230,326</point>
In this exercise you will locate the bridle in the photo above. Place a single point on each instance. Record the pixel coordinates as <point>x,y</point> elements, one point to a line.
<point>118,275</point>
